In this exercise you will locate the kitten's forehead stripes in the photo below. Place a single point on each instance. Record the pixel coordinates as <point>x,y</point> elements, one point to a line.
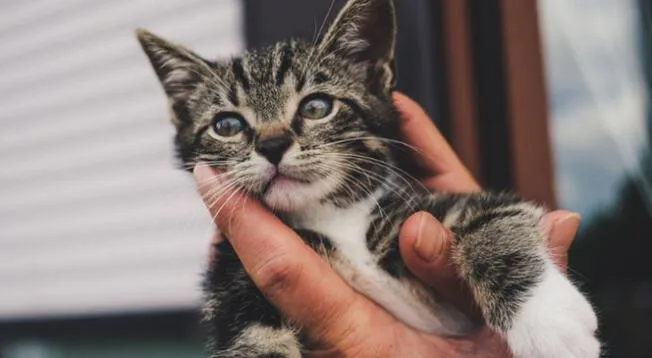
<point>286,55</point>
<point>240,75</point>
<point>233,95</point>
<point>263,80</point>
<point>321,77</point>
<point>301,83</point>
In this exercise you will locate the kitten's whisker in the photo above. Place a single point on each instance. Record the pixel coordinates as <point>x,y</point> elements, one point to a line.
<point>348,178</point>
<point>369,173</point>
<point>402,192</point>
<point>236,191</point>
<point>212,197</point>
<point>205,163</point>
<point>407,196</point>
<point>353,180</point>
<point>217,193</point>
<point>406,177</point>
<point>231,192</point>
<point>315,39</point>
<point>321,29</point>
<point>242,201</point>
<point>212,180</point>
<point>402,173</point>
<point>388,140</point>
<point>392,141</point>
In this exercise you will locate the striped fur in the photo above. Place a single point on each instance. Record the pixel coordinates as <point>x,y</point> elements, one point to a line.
<point>347,196</point>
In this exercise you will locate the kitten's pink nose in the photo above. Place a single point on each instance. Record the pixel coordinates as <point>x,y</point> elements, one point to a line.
<point>273,148</point>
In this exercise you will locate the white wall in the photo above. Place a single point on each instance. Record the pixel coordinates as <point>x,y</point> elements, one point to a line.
<point>94,218</point>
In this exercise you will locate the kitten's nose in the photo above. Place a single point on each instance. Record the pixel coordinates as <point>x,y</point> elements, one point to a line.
<point>274,148</point>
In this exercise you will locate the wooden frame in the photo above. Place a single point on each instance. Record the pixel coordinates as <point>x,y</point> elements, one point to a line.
<point>497,94</point>
<point>461,94</point>
<point>527,101</point>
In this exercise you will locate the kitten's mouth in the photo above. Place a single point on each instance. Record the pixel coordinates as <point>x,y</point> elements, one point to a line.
<point>283,182</point>
<point>290,190</point>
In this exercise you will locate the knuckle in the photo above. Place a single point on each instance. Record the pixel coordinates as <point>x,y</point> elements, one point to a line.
<point>277,274</point>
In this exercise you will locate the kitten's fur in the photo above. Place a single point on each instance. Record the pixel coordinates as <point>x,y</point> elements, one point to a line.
<point>350,198</point>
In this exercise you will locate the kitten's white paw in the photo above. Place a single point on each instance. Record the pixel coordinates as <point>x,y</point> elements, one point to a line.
<point>556,322</point>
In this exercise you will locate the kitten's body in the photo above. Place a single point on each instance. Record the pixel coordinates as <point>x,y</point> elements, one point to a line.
<point>310,130</point>
<point>364,251</point>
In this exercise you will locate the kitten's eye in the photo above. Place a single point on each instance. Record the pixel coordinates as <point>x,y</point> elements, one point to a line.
<point>316,107</point>
<point>228,124</point>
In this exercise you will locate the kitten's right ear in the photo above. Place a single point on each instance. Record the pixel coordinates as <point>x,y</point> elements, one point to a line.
<point>178,69</point>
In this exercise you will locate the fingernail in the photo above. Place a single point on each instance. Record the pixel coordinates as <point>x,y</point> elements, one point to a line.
<point>566,226</point>
<point>571,216</point>
<point>549,222</point>
<point>431,238</point>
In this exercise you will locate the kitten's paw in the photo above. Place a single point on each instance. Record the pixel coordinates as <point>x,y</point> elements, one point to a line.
<point>556,321</point>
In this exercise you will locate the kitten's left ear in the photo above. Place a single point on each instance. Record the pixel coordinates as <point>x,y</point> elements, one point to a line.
<point>365,30</point>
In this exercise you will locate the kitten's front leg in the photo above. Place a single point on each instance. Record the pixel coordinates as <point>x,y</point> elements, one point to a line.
<point>240,320</point>
<point>501,253</point>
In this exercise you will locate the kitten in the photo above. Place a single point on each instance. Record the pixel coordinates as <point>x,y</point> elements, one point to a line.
<point>310,130</point>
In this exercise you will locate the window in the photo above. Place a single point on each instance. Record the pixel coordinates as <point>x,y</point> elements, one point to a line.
<point>598,61</point>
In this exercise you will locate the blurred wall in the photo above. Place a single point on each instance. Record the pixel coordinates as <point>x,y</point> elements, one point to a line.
<point>93,216</point>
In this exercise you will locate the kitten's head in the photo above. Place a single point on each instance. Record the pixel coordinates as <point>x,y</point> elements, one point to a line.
<point>296,123</point>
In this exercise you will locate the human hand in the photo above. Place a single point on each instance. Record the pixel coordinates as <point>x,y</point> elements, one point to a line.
<point>342,321</point>
<point>424,242</point>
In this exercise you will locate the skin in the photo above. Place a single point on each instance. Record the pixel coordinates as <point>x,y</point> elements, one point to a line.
<point>340,321</point>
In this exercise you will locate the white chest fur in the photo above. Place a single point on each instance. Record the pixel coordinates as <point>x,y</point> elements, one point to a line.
<point>347,229</point>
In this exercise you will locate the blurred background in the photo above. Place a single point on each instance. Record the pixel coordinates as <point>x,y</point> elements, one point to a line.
<point>102,241</point>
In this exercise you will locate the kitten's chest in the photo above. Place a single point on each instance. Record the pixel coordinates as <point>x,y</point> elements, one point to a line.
<point>347,231</point>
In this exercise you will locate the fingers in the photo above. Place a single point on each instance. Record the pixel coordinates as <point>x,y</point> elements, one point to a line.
<point>425,247</point>
<point>289,273</point>
<point>560,227</point>
<point>435,154</point>
<point>424,244</point>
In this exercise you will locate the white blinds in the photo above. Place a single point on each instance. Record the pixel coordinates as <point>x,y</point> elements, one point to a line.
<point>93,216</point>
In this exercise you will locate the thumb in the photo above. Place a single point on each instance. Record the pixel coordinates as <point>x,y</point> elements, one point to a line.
<point>560,228</point>
<point>425,246</point>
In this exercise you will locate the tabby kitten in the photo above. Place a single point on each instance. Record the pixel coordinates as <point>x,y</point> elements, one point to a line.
<point>310,130</point>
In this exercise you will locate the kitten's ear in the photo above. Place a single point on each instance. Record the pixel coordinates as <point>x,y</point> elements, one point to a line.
<point>365,30</point>
<point>178,69</point>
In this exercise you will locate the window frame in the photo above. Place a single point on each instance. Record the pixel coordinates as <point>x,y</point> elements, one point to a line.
<point>498,95</point>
